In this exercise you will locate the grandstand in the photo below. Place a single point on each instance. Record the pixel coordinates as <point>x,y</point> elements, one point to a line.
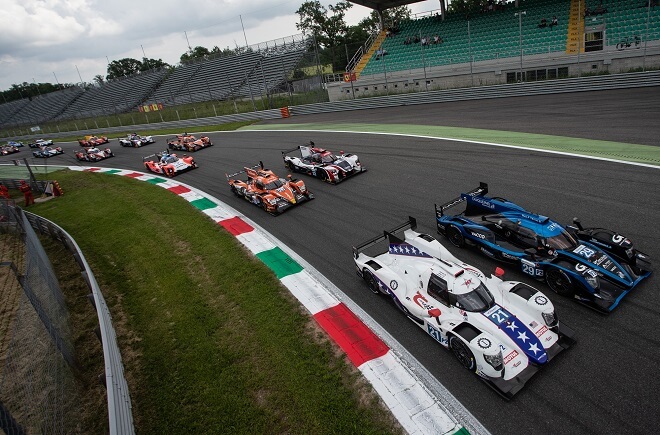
<point>116,96</point>
<point>489,46</point>
<point>45,107</point>
<point>259,69</point>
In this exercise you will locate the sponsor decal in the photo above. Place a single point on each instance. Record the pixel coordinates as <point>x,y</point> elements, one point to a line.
<point>422,301</point>
<point>584,251</point>
<point>484,343</point>
<point>478,235</point>
<point>487,252</point>
<point>553,226</point>
<point>541,300</point>
<point>548,338</point>
<point>467,282</point>
<point>509,256</point>
<point>537,219</point>
<point>510,357</point>
<point>475,272</point>
<point>483,202</point>
<point>541,331</point>
<point>618,239</point>
<point>517,364</point>
<point>580,267</point>
<point>394,285</point>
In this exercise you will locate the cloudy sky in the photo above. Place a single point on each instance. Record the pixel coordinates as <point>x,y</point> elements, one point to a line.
<point>44,39</point>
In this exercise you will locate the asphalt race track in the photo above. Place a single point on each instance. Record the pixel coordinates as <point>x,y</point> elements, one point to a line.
<point>608,382</point>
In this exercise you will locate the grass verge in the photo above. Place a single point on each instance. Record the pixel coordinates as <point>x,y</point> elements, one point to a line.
<point>211,341</point>
<point>146,132</point>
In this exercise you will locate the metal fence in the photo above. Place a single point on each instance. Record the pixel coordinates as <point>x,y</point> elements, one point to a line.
<point>38,392</point>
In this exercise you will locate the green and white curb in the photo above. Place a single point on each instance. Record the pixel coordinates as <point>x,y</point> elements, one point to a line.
<point>416,399</point>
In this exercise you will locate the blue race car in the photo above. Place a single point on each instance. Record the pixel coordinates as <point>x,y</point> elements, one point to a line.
<point>595,266</point>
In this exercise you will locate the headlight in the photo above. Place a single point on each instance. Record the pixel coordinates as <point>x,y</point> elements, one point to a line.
<point>550,319</point>
<point>272,201</point>
<point>303,188</point>
<point>496,361</point>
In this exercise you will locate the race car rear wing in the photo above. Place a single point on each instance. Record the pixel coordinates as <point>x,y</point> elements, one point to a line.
<point>411,223</point>
<point>255,167</point>
<point>481,190</point>
<point>285,152</point>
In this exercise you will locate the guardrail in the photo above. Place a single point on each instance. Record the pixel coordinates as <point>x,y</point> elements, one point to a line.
<point>582,84</point>
<point>119,402</point>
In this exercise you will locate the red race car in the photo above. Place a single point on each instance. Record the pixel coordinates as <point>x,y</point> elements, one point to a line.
<point>92,141</point>
<point>93,154</point>
<point>168,164</point>
<point>266,190</point>
<point>8,149</point>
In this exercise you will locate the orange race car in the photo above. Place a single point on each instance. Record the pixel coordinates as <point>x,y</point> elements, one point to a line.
<point>266,190</point>
<point>187,142</point>
<point>92,141</point>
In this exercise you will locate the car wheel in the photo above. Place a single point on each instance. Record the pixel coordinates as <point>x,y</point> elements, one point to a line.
<point>455,236</point>
<point>235,191</point>
<point>371,282</point>
<point>290,166</point>
<point>559,282</point>
<point>462,353</point>
<point>323,176</point>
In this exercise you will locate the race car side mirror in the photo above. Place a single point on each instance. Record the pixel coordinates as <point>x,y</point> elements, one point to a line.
<point>499,272</point>
<point>577,223</point>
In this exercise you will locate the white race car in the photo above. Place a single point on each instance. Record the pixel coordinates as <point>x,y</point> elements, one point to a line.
<point>502,330</point>
<point>323,164</point>
<point>135,140</point>
<point>40,143</point>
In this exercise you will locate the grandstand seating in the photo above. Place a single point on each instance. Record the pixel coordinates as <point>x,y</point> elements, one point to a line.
<point>496,34</point>
<point>8,110</point>
<point>115,96</point>
<point>45,107</point>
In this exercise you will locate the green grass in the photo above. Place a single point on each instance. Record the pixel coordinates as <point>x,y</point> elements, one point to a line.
<point>211,341</point>
<point>193,130</point>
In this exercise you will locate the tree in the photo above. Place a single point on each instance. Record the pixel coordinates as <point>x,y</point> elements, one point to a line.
<point>148,64</point>
<point>371,24</point>
<point>326,25</point>
<point>123,68</point>
<point>99,79</point>
<point>195,53</point>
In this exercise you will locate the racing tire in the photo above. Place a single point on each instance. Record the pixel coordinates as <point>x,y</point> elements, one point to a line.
<point>235,191</point>
<point>462,353</point>
<point>455,236</point>
<point>372,283</point>
<point>559,282</point>
<point>322,175</point>
<point>290,166</point>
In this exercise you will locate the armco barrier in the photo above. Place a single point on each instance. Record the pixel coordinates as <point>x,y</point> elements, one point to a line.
<point>120,414</point>
<point>403,389</point>
<point>581,84</point>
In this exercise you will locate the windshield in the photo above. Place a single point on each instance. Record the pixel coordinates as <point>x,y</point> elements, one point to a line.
<point>328,158</point>
<point>562,241</point>
<point>274,184</point>
<point>477,300</point>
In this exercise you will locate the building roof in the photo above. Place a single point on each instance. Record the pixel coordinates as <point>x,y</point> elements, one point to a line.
<point>381,5</point>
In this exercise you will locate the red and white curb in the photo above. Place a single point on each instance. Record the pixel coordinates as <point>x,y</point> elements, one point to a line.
<point>416,408</point>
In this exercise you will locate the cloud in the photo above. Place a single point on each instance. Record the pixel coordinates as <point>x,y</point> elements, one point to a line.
<point>45,36</point>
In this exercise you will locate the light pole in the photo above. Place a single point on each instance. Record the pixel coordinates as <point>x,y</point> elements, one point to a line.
<point>646,35</point>
<point>519,15</point>
<point>470,53</point>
